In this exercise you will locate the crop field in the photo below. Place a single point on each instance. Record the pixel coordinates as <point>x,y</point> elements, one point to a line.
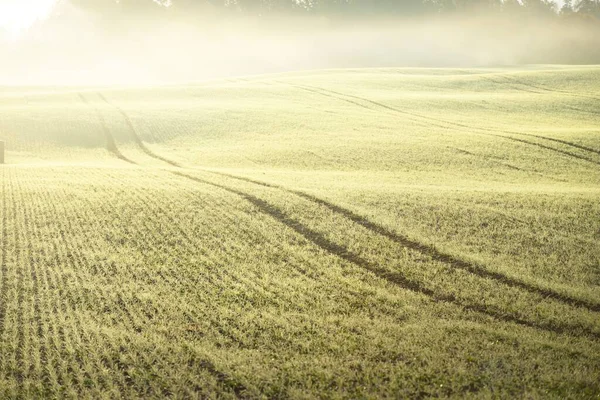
<point>367,233</point>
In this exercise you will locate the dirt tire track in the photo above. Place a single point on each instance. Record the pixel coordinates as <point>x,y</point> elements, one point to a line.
<point>172,163</point>
<point>513,84</point>
<point>567,143</point>
<point>395,278</point>
<point>111,144</point>
<point>425,249</point>
<point>504,164</point>
<point>542,146</point>
<point>547,89</point>
<point>136,137</point>
<point>314,90</point>
<point>340,96</point>
<point>422,248</point>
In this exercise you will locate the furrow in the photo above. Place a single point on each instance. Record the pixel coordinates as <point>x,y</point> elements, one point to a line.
<point>144,319</point>
<point>80,338</point>
<point>4,259</point>
<point>22,241</point>
<point>231,228</point>
<point>246,284</point>
<point>78,262</point>
<point>428,250</point>
<point>176,230</point>
<point>438,255</point>
<point>38,296</point>
<point>546,89</point>
<point>393,277</point>
<point>81,264</point>
<point>136,137</point>
<point>8,293</point>
<point>111,144</point>
<point>140,143</point>
<point>471,128</point>
<point>65,379</point>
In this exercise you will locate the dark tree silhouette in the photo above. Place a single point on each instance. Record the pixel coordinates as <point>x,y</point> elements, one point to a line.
<point>345,7</point>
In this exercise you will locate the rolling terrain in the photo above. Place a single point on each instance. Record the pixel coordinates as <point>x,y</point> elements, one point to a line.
<point>361,233</point>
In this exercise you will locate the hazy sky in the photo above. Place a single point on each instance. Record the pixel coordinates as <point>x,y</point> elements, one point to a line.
<point>18,15</point>
<point>82,48</point>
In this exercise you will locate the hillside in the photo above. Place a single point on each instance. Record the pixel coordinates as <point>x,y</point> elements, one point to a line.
<point>342,234</point>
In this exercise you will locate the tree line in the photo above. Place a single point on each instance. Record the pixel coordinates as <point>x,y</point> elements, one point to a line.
<point>547,8</point>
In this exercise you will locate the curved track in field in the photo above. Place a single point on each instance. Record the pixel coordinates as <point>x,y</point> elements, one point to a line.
<point>395,277</point>
<point>546,89</point>
<point>428,250</point>
<point>436,121</point>
<point>512,84</point>
<point>134,134</point>
<point>111,144</point>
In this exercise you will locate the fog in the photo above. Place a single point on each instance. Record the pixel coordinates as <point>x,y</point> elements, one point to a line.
<point>75,46</point>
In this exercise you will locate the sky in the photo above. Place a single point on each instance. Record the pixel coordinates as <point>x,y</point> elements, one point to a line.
<point>16,16</point>
<point>147,50</point>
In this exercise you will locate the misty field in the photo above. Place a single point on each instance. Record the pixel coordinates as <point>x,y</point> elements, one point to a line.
<point>363,233</point>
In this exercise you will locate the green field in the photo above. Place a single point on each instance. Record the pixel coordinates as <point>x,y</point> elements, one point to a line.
<point>368,233</point>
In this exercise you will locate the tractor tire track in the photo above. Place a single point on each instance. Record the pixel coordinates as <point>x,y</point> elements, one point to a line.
<point>542,146</point>
<point>567,143</point>
<point>188,239</point>
<point>174,229</point>
<point>404,241</point>
<point>496,161</point>
<point>546,89</point>
<point>134,134</point>
<point>395,278</point>
<point>514,85</point>
<point>111,144</point>
<point>422,248</point>
<point>421,118</point>
<point>430,250</point>
<point>505,83</point>
<point>276,298</point>
<point>315,90</point>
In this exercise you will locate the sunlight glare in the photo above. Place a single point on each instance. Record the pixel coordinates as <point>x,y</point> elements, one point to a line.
<point>16,16</point>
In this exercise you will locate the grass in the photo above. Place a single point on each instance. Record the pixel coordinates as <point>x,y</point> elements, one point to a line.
<point>341,234</point>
